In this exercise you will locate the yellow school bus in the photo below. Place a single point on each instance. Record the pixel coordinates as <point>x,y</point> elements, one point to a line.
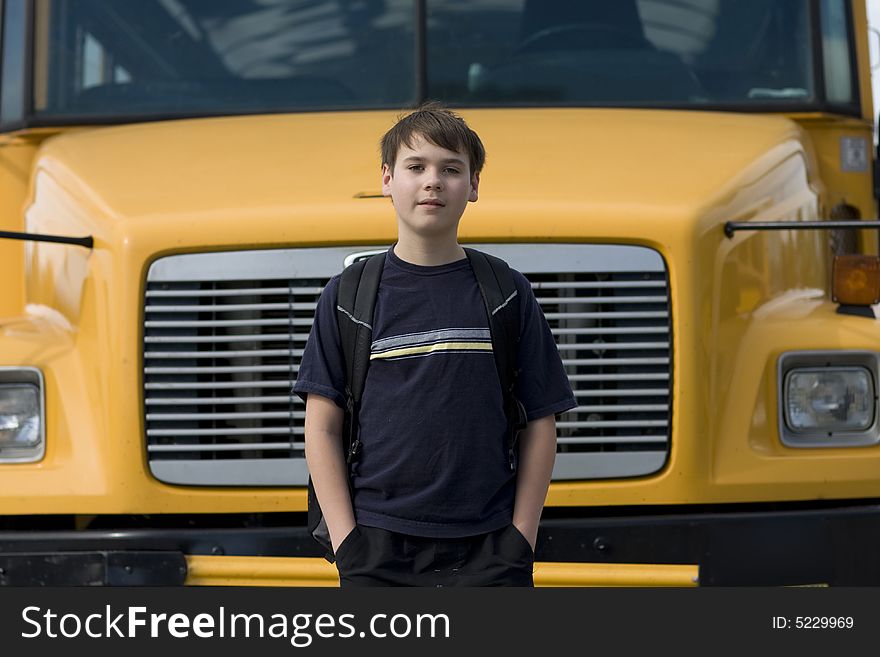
<point>180,178</point>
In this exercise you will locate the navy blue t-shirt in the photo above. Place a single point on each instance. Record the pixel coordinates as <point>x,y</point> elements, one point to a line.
<point>434,458</point>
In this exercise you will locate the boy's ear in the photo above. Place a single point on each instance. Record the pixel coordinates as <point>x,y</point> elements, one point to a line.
<point>475,183</point>
<point>386,180</point>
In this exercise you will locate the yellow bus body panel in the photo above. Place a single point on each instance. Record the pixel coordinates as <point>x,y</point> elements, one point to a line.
<point>553,176</point>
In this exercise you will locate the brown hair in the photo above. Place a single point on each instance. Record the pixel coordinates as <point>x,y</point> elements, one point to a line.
<point>438,125</point>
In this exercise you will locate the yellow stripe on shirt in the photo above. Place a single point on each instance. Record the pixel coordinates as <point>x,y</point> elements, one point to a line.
<point>431,348</point>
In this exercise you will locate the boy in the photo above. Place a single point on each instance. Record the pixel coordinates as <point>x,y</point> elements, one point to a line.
<point>433,498</point>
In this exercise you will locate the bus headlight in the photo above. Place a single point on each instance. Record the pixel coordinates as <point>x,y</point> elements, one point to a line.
<point>829,399</point>
<point>21,415</point>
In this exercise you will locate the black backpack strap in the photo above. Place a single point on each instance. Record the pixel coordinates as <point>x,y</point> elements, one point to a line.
<point>358,287</point>
<point>502,306</point>
<point>501,299</point>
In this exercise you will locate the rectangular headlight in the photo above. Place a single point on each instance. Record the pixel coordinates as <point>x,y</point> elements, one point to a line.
<point>21,415</point>
<point>828,399</point>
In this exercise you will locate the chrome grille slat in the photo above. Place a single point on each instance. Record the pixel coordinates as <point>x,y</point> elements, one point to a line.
<point>618,377</point>
<point>597,346</point>
<point>217,323</point>
<point>647,392</point>
<point>198,401</point>
<point>265,415</point>
<point>232,307</point>
<point>218,370</point>
<point>603,300</point>
<point>253,353</point>
<point>595,286</point>
<point>562,424</point>
<point>594,440</point>
<point>224,334</point>
<point>615,362</point>
<point>606,316</point>
<point>315,291</point>
<point>623,330</point>
<point>244,337</point>
<point>266,431</point>
<point>239,447</point>
<point>219,385</point>
<point>600,408</point>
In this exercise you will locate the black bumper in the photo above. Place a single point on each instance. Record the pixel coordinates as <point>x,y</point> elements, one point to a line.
<point>835,545</point>
<point>134,557</point>
<point>838,546</point>
<point>93,569</point>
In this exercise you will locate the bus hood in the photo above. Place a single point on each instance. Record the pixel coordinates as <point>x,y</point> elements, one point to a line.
<point>295,178</point>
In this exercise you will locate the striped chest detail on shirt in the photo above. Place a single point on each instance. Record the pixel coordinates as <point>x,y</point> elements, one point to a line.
<point>428,343</point>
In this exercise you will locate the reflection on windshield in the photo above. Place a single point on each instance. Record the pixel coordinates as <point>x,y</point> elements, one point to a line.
<point>221,56</point>
<point>166,57</point>
<point>623,52</point>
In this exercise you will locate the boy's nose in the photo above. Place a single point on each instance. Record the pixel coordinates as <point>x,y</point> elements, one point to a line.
<point>433,182</point>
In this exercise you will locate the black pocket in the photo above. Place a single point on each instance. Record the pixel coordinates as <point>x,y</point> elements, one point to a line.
<point>523,542</point>
<point>347,542</point>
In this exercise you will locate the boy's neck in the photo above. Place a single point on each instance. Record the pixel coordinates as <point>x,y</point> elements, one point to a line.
<point>428,252</point>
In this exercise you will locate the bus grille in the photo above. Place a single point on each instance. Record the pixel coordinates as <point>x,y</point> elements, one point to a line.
<point>224,334</point>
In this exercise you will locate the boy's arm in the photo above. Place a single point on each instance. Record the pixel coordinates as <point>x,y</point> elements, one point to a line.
<point>327,465</point>
<point>537,452</point>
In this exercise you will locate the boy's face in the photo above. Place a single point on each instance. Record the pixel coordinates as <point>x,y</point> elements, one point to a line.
<point>430,187</point>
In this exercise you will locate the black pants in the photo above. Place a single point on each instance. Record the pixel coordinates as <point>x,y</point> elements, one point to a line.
<point>369,556</point>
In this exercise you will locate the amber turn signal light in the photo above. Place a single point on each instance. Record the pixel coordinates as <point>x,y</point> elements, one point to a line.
<point>856,280</point>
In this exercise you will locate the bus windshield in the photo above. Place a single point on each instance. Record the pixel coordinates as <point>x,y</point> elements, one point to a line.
<point>162,58</point>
